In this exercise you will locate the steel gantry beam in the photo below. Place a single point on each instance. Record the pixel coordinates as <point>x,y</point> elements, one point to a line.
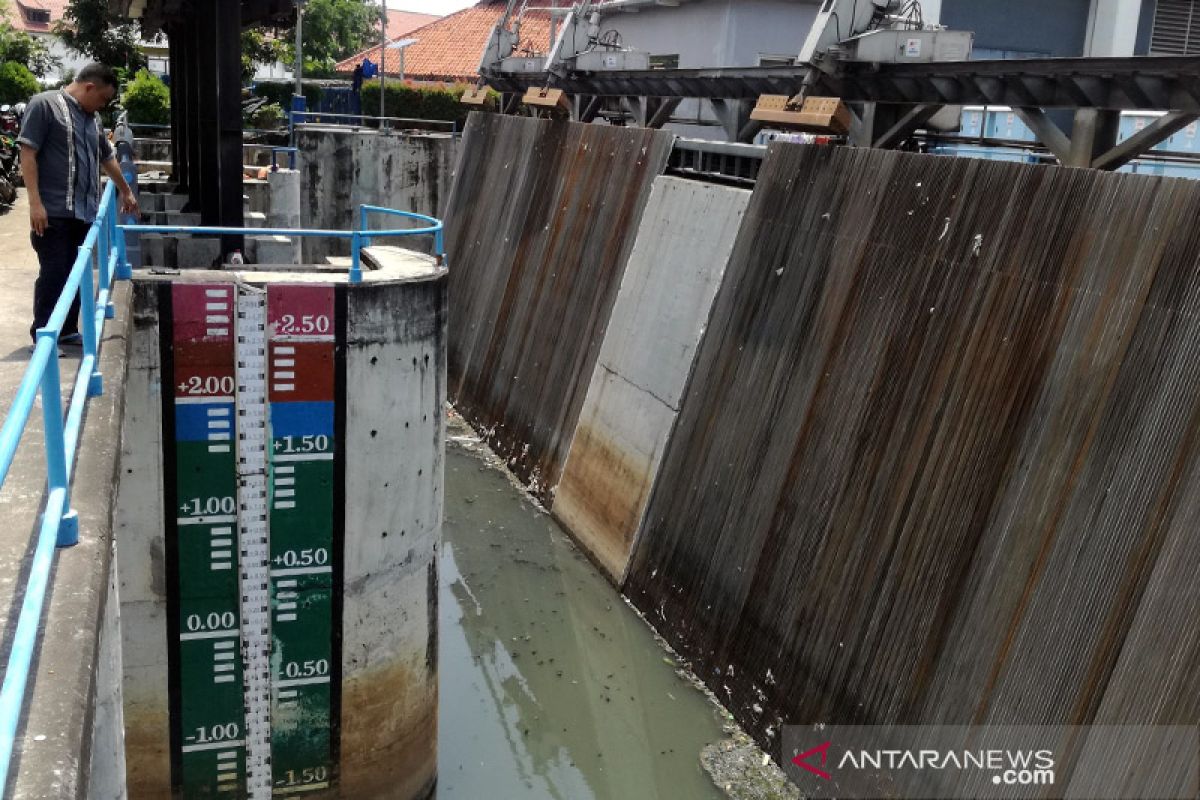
<point>891,101</point>
<point>1151,83</point>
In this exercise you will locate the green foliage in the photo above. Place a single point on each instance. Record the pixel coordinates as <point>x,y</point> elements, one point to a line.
<point>416,102</point>
<point>267,117</point>
<point>17,83</point>
<point>333,30</point>
<point>88,27</point>
<point>24,49</point>
<point>259,48</point>
<point>147,99</point>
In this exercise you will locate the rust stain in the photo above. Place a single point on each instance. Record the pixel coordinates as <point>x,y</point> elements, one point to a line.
<point>602,496</point>
<point>539,227</point>
<point>936,436</point>
<point>389,734</point>
<point>147,755</point>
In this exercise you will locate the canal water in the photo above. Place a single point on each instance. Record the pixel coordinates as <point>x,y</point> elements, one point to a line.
<point>551,686</point>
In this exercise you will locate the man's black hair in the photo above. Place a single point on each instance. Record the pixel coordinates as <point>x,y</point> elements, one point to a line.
<point>97,73</point>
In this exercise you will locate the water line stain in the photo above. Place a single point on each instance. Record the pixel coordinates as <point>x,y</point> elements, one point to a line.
<point>551,686</point>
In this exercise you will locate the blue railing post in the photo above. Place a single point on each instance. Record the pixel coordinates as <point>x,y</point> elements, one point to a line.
<point>56,453</point>
<point>87,318</point>
<point>124,268</point>
<point>355,257</point>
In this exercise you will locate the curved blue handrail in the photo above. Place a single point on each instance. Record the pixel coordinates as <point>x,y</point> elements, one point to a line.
<point>359,237</point>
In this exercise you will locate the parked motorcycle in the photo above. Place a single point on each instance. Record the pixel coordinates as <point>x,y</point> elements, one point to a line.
<point>10,153</point>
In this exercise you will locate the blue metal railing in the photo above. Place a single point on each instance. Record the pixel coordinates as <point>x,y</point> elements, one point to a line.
<point>101,259</point>
<point>359,237</point>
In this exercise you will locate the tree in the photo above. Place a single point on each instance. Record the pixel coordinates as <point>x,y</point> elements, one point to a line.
<point>24,49</point>
<point>17,83</point>
<point>333,30</point>
<point>88,27</point>
<point>147,99</point>
<point>259,48</point>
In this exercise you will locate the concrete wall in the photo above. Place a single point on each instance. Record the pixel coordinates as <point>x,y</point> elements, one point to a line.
<point>141,562</point>
<point>936,455</point>
<point>676,265</point>
<point>538,231</point>
<point>343,168</point>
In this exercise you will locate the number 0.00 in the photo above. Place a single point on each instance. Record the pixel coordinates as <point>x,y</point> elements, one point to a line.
<point>212,622</point>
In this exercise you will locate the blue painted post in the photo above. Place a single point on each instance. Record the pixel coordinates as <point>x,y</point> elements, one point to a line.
<point>355,258</point>
<point>56,455</point>
<point>87,297</point>
<point>124,268</point>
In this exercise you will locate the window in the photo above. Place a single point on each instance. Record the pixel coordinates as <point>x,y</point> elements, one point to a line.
<point>1176,30</point>
<point>776,61</point>
<point>664,62</point>
<point>37,15</point>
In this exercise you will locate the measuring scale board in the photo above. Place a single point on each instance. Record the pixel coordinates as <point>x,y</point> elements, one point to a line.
<point>254,386</point>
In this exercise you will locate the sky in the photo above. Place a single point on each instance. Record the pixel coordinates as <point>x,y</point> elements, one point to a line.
<point>430,6</point>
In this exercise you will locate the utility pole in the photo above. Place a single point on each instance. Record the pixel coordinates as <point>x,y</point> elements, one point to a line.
<point>299,68</point>
<point>382,60</point>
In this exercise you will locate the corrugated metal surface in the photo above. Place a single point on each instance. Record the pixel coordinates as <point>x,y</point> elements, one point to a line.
<point>539,226</point>
<point>938,454</point>
<point>674,271</point>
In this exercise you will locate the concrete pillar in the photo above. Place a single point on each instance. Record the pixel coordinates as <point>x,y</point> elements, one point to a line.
<point>364,370</point>
<point>283,212</point>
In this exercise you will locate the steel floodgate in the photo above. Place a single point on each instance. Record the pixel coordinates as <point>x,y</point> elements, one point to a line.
<point>938,450</point>
<point>539,227</point>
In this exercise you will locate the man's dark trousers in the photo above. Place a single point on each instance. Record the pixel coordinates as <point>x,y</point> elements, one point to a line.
<point>57,250</point>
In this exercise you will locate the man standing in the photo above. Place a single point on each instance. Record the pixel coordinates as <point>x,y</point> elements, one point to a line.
<point>63,149</point>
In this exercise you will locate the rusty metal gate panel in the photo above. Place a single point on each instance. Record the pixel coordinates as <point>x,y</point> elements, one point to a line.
<point>937,461</point>
<point>539,227</point>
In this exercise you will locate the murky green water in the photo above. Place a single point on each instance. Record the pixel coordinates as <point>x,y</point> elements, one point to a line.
<point>551,687</point>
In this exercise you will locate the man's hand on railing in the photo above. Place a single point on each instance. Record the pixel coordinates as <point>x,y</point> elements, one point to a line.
<point>129,203</point>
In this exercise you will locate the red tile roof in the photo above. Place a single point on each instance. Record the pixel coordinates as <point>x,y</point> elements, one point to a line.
<point>400,23</point>
<point>448,50</point>
<point>18,14</point>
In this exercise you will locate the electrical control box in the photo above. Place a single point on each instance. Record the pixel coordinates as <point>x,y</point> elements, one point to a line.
<point>890,46</point>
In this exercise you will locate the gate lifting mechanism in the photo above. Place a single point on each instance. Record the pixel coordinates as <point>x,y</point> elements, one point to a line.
<point>877,31</point>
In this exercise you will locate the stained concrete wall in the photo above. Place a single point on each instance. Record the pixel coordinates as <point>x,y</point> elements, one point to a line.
<point>674,269</point>
<point>344,168</point>
<point>937,457</point>
<point>395,366</point>
<point>395,438</point>
<point>538,231</point>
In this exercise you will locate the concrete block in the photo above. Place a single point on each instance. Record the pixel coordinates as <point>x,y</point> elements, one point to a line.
<point>256,219</point>
<point>277,250</point>
<point>197,253</point>
<point>153,247</point>
<point>150,202</point>
<point>259,194</point>
<point>174,201</point>
<point>285,199</point>
<point>188,218</point>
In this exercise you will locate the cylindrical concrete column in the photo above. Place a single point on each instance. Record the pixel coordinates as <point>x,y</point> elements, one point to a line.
<point>278,518</point>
